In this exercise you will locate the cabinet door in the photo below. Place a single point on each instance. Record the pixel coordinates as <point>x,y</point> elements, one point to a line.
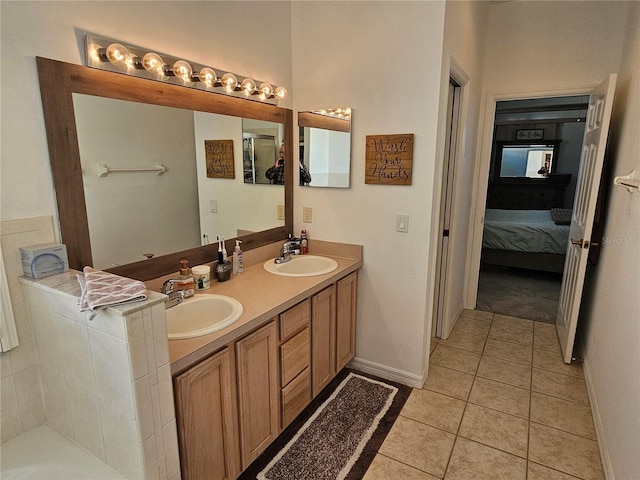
<point>206,415</point>
<point>346,320</point>
<point>258,391</point>
<point>323,337</point>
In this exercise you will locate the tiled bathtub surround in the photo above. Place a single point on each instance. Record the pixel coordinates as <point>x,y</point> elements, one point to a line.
<point>499,403</point>
<point>106,382</point>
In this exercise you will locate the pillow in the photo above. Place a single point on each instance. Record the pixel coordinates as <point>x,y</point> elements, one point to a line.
<point>561,216</point>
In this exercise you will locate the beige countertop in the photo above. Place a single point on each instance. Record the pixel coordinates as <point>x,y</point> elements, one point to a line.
<point>263,296</point>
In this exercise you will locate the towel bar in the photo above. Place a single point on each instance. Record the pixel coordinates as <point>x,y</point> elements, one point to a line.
<point>628,181</point>
<point>104,169</point>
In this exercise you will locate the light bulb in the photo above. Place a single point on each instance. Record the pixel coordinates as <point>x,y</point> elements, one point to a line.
<point>347,112</point>
<point>183,70</point>
<point>248,86</point>
<point>153,63</point>
<point>117,54</point>
<point>265,89</point>
<point>207,76</point>
<point>229,82</point>
<point>280,92</point>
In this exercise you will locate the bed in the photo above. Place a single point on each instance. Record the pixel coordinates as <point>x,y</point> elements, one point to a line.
<point>525,239</point>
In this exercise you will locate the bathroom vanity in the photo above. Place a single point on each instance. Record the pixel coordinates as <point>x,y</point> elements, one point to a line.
<point>237,389</point>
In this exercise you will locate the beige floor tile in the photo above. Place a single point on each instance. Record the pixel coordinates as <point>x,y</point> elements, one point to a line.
<point>544,341</point>
<point>434,409</point>
<point>495,429</point>
<point>500,396</point>
<point>511,333</point>
<point>540,472</point>
<point>508,351</point>
<point>505,372</point>
<point>562,414</point>
<point>449,382</point>
<point>464,341</point>
<point>565,452</point>
<point>477,314</point>
<point>385,468</point>
<point>473,461</point>
<point>418,445</point>
<point>473,325</point>
<point>559,385</point>
<point>553,361</point>
<point>455,359</point>
<point>507,320</point>
<point>545,328</point>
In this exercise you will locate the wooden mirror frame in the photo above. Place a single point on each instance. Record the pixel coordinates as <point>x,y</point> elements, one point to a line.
<point>60,80</point>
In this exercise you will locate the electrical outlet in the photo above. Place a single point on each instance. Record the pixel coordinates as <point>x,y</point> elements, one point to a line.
<point>307,214</point>
<point>280,212</point>
<point>402,223</point>
<point>213,206</point>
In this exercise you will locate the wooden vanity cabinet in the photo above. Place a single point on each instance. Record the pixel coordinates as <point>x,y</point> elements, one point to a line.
<point>206,414</point>
<point>347,299</point>
<point>295,360</point>
<point>258,391</point>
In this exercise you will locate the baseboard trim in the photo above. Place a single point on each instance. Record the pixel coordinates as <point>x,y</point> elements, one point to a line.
<point>597,419</point>
<point>388,373</point>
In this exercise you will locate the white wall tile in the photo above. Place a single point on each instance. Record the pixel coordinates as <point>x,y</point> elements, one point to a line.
<point>56,402</point>
<point>162,466</point>
<point>5,365</point>
<point>109,322</point>
<point>48,338</point>
<point>137,345</point>
<point>27,383</point>
<point>144,407</point>
<point>165,389</point>
<point>149,346</point>
<point>112,373</point>
<point>85,420</point>
<point>150,459</point>
<point>171,449</point>
<point>160,339</point>
<point>61,304</point>
<point>157,419</point>
<point>121,444</point>
<point>76,356</point>
<point>24,355</point>
<point>10,422</point>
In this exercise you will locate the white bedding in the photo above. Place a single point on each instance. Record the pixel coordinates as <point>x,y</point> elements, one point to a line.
<point>524,231</point>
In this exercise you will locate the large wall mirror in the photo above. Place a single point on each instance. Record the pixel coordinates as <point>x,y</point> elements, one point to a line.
<point>325,148</point>
<point>111,221</point>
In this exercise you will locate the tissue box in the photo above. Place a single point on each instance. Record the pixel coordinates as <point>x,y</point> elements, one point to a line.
<point>44,260</point>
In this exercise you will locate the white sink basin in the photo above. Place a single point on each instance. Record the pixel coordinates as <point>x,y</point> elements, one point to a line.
<point>201,315</point>
<point>302,266</point>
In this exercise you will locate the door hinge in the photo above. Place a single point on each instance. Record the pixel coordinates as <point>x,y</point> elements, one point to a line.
<point>445,233</point>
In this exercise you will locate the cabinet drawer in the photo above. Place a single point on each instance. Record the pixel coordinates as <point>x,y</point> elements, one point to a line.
<point>295,319</point>
<point>295,355</point>
<point>295,397</point>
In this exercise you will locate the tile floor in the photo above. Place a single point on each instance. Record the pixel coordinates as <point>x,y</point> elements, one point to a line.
<point>499,403</point>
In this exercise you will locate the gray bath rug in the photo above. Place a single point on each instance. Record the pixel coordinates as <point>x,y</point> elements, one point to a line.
<point>337,438</point>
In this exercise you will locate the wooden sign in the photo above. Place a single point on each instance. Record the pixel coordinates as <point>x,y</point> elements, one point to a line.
<point>537,134</point>
<point>389,159</point>
<point>219,158</point>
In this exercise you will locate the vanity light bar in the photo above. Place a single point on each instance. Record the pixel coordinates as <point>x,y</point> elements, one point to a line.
<point>343,113</point>
<point>113,56</point>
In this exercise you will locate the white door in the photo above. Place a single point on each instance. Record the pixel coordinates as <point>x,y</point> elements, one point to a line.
<point>584,206</point>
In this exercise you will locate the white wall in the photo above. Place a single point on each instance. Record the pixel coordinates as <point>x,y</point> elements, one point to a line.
<point>610,316</point>
<point>383,60</point>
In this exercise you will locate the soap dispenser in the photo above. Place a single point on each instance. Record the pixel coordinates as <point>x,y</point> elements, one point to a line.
<point>238,265</point>
<point>185,280</point>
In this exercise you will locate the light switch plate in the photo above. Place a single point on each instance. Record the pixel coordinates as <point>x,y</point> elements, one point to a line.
<point>213,206</point>
<point>402,223</point>
<point>307,214</point>
<point>280,212</point>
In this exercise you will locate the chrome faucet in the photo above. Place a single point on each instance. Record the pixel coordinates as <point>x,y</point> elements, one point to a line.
<point>175,298</point>
<point>290,247</point>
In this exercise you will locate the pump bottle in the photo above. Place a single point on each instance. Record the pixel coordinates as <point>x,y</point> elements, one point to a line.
<point>238,265</point>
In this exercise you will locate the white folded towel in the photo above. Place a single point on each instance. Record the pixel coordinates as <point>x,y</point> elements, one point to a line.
<point>103,289</point>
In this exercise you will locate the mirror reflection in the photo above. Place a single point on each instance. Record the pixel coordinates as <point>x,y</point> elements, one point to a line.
<point>325,148</point>
<point>527,160</point>
<point>200,195</point>
<point>263,152</point>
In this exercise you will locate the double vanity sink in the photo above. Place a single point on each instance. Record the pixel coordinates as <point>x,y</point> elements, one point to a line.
<point>209,313</point>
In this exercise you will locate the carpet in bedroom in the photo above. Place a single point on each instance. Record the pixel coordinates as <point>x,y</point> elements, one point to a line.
<point>519,292</point>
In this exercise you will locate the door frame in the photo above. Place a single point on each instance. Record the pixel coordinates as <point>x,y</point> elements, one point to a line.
<point>481,176</point>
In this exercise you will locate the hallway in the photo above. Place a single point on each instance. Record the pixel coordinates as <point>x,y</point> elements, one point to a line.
<point>499,403</point>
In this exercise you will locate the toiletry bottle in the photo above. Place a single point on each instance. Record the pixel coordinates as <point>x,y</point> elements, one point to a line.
<point>224,251</point>
<point>238,266</point>
<point>304,242</point>
<point>185,280</point>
